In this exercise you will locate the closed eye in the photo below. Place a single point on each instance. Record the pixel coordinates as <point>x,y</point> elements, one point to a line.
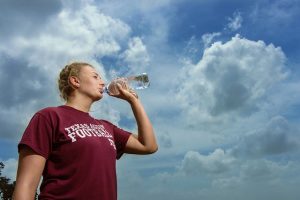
<point>96,76</point>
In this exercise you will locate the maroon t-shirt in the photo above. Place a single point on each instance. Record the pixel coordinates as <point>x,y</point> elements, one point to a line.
<point>81,153</point>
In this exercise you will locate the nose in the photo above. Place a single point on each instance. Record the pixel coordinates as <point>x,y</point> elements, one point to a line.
<point>101,82</point>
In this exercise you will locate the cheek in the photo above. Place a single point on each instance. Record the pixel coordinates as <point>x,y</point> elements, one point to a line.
<point>91,85</point>
<point>88,83</point>
<point>85,86</point>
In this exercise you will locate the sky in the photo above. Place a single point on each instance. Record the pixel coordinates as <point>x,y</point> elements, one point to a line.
<point>223,98</point>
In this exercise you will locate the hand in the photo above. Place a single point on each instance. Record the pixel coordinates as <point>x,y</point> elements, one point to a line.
<point>126,93</point>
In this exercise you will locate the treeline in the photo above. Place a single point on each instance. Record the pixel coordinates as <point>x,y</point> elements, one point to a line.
<point>6,188</point>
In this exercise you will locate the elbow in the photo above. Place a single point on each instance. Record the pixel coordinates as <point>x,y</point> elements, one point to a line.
<point>153,149</point>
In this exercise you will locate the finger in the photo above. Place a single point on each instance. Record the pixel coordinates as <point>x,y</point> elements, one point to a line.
<point>133,92</point>
<point>120,88</point>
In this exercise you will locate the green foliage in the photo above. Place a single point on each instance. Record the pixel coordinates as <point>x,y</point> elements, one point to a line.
<point>6,188</point>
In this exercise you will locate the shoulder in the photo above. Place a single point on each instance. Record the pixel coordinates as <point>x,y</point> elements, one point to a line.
<point>48,115</point>
<point>48,109</point>
<point>106,122</point>
<point>49,112</point>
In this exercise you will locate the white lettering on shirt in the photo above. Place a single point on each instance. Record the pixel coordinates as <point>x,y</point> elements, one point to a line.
<point>89,130</point>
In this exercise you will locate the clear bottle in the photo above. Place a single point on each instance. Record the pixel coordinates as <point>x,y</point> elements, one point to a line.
<point>137,82</point>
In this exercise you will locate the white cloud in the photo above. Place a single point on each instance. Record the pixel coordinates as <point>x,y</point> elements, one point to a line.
<point>85,34</point>
<point>104,110</point>
<point>216,162</point>
<point>199,176</point>
<point>231,87</point>
<point>145,16</point>
<point>230,78</point>
<point>14,119</point>
<point>208,38</point>
<point>165,140</point>
<point>273,139</point>
<point>235,22</point>
<point>136,55</point>
<point>258,179</point>
<point>260,170</point>
<point>32,62</point>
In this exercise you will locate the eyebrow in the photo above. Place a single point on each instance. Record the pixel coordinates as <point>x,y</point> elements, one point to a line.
<point>96,74</point>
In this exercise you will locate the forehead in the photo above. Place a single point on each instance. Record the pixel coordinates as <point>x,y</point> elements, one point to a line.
<point>88,70</point>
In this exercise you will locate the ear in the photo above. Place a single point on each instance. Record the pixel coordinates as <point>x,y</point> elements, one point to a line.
<point>74,81</point>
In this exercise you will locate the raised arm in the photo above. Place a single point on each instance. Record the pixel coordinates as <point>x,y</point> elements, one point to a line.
<point>144,142</point>
<point>29,173</point>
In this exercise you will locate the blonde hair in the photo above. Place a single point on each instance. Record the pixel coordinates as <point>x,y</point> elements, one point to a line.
<point>64,85</point>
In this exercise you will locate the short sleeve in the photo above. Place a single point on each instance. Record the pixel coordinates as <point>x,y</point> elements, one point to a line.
<point>121,137</point>
<point>38,135</point>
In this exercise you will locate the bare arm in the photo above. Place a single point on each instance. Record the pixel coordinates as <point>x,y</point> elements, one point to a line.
<point>144,142</point>
<point>29,173</point>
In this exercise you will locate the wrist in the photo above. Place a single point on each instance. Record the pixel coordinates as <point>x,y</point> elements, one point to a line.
<point>133,100</point>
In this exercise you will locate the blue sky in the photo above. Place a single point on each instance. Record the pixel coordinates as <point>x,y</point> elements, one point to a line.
<point>224,94</point>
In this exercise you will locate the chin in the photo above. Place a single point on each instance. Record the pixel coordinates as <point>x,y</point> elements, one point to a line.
<point>97,98</point>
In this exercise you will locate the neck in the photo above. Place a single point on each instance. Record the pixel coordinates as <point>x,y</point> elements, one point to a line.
<point>79,104</point>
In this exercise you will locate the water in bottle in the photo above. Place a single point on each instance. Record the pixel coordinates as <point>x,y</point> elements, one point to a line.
<point>132,82</point>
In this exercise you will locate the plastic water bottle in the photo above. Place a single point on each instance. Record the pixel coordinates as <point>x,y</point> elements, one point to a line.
<point>138,82</point>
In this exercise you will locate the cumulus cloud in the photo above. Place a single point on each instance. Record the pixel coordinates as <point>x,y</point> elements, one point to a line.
<point>136,56</point>
<point>208,38</point>
<point>32,62</point>
<point>231,77</point>
<point>226,173</point>
<point>105,110</point>
<point>232,82</point>
<point>259,177</point>
<point>20,86</point>
<point>273,139</point>
<point>85,34</point>
<point>216,162</point>
<point>165,140</point>
<point>16,73</point>
<point>260,170</point>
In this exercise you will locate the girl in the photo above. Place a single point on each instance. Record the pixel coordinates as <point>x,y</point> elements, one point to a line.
<point>74,152</point>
